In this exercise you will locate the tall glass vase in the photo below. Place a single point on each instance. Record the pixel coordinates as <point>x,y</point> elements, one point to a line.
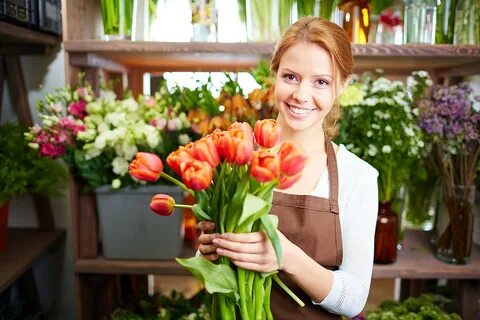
<point>454,226</point>
<point>467,22</point>
<point>263,23</point>
<point>419,21</point>
<point>445,21</point>
<point>117,19</point>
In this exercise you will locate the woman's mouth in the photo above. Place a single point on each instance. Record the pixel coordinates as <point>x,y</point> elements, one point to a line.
<point>297,112</point>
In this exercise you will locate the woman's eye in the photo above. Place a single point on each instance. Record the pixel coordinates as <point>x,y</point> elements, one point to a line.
<point>322,83</point>
<point>289,77</point>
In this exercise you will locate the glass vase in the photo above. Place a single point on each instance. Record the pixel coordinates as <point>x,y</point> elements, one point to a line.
<point>445,21</point>
<point>204,20</point>
<point>117,19</point>
<point>263,23</point>
<point>467,22</point>
<point>421,205</point>
<point>454,226</point>
<point>419,23</point>
<point>386,234</point>
<point>356,19</point>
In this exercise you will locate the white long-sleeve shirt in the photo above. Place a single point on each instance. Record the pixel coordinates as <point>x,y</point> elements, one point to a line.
<point>358,203</point>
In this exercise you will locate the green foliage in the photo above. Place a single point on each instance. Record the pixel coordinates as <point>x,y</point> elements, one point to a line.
<point>379,5</point>
<point>167,307</point>
<point>425,307</point>
<point>22,170</point>
<point>261,74</point>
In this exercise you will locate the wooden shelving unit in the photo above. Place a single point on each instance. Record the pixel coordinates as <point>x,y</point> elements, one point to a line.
<point>24,247</point>
<point>175,56</point>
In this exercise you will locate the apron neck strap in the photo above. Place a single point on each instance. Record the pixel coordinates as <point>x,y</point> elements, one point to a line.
<point>332,175</point>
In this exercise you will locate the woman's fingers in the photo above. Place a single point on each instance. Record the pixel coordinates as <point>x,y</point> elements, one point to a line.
<point>207,249</point>
<point>240,256</point>
<point>207,238</point>
<point>206,226</point>
<point>244,237</point>
<point>245,247</point>
<point>212,257</point>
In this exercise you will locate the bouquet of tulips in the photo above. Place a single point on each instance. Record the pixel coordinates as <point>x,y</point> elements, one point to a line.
<point>232,175</point>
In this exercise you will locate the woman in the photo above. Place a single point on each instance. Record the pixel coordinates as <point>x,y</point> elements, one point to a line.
<point>327,219</point>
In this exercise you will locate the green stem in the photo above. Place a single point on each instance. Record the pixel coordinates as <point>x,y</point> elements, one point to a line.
<point>266,302</point>
<point>243,293</point>
<point>288,291</point>
<point>183,206</point>
<point>251,297</point>
<point>259,296</point>
<point>178,183</point>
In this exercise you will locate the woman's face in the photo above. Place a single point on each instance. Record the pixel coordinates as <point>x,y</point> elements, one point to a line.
<point>304,88</point>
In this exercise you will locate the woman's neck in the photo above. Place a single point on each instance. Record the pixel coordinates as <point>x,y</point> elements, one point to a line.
<point>311,140</point>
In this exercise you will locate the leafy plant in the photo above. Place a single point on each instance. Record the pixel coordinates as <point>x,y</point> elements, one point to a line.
<point>22,170</point>
<point>425,307</point>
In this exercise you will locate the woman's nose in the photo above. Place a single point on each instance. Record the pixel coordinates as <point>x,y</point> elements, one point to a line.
<point>301,94</point>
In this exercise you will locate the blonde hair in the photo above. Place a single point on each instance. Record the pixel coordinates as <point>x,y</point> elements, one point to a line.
<point>332,38</point>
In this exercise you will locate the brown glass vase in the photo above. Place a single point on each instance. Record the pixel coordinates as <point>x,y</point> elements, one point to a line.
<point>356,19</point>
<point>386,234</point>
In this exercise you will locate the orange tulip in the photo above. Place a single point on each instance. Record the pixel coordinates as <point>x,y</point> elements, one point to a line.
<point>175,159</point>
<point>243,126</point>
<point>146,166</point>
<point>235,147</point>
<point>197,175</point>
<point>206,150</point>
<point>162,204</point>
<point>292,159</point>
<point>267,133</point>
<point>286,182</point>
<point>265,166</point>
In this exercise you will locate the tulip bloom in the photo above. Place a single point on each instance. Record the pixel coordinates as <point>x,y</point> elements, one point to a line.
<point>197,175</point>
<point>286,182</point>
<point>267,133</point>
<point>236,147</point>
<point>292,159</point>
<point>243,126</point>
<point>265,166</point>
<point>206,150</point>
<point>146,166</point>
<point>162,204</point>
<point>176,158</point>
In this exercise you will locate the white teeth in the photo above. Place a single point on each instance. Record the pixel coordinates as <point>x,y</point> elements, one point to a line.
<point>300,110</point>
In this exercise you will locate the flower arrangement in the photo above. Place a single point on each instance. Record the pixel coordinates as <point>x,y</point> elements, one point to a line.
<point>379,125</point>
<point>450,118</point>
<point>232,175</point>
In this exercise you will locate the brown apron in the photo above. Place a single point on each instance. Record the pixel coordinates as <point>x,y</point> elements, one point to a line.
<point>313,224</point>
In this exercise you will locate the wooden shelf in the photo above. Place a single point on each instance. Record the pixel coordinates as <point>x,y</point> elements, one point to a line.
<point>192,56</point>
<point>108,266</point>
<point>12,34</point>
<point>24,246</point>
<point>415,261</point>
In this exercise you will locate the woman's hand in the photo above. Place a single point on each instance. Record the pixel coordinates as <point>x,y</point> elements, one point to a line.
<point>251,251</point>
<point>206,247</point>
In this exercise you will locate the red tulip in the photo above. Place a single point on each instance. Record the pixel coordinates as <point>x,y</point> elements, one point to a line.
<point>146,166</point>
<point>197,175</point>
<point>292,159</point>
<point>267,133</point>
<point>265,166</point>
<point>177,157</point>
<point>286,182</point>
<point>206,150</point>
<point>162,204</point>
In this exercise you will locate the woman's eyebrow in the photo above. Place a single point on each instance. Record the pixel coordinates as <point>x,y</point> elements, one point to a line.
<point>326,75</point>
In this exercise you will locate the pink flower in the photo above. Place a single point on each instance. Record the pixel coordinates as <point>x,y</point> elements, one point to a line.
<point>70,124</point>
<point>150,102</point>
<point>78,108</point>
<point>42,137</point>
<point>51,150</point>
<point>82,92</point>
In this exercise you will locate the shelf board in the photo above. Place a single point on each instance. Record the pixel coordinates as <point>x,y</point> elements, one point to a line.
<point>415,261</point>
<point>13,34</point>
<point>24,246</point>
<point>110,266</point>
<point>192,56</point>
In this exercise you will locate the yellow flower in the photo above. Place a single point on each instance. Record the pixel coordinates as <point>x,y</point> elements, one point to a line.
<point>351,96</point>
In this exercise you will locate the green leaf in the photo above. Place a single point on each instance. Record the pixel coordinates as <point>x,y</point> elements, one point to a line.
<point>215,277</point>
<point>270,224</point>
<point>199,213</point>
<point>253,209</point>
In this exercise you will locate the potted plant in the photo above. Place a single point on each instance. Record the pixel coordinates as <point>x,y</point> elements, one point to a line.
<point>379,126</point>
<point>23,171</point>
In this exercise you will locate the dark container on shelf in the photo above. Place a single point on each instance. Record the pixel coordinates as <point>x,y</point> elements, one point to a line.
<point>49,16</point>
<point>386,234</point>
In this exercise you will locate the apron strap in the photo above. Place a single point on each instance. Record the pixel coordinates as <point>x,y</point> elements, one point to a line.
<point>332,175</point>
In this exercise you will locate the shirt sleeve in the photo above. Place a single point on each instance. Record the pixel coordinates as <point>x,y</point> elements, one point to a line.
<point>351,282</point>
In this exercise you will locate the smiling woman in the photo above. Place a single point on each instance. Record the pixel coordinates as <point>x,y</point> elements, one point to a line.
<point>327,219</point>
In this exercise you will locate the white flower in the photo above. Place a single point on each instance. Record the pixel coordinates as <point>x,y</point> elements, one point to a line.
<point>116,183</point>
<point>129,150</point>
<point>130,105</point>
<point>388,129</point>
<point>415,112</point>
<point>87,135</point>
<point>183,139</point>
<point>386,149</point>
<point>120,166</point>
<point>100,142</point>
<point>94,107</point>
<point>107,95</point>
<point>349,146</point>
<point>56,107</point>
<point>372,150</point>
<point>116,118</point>
<point>153,139</point>
<point>33,145</point>
<point>90,151</point>
<point>375,126</point>
<point>369,133</point>
<point>420,143</point>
